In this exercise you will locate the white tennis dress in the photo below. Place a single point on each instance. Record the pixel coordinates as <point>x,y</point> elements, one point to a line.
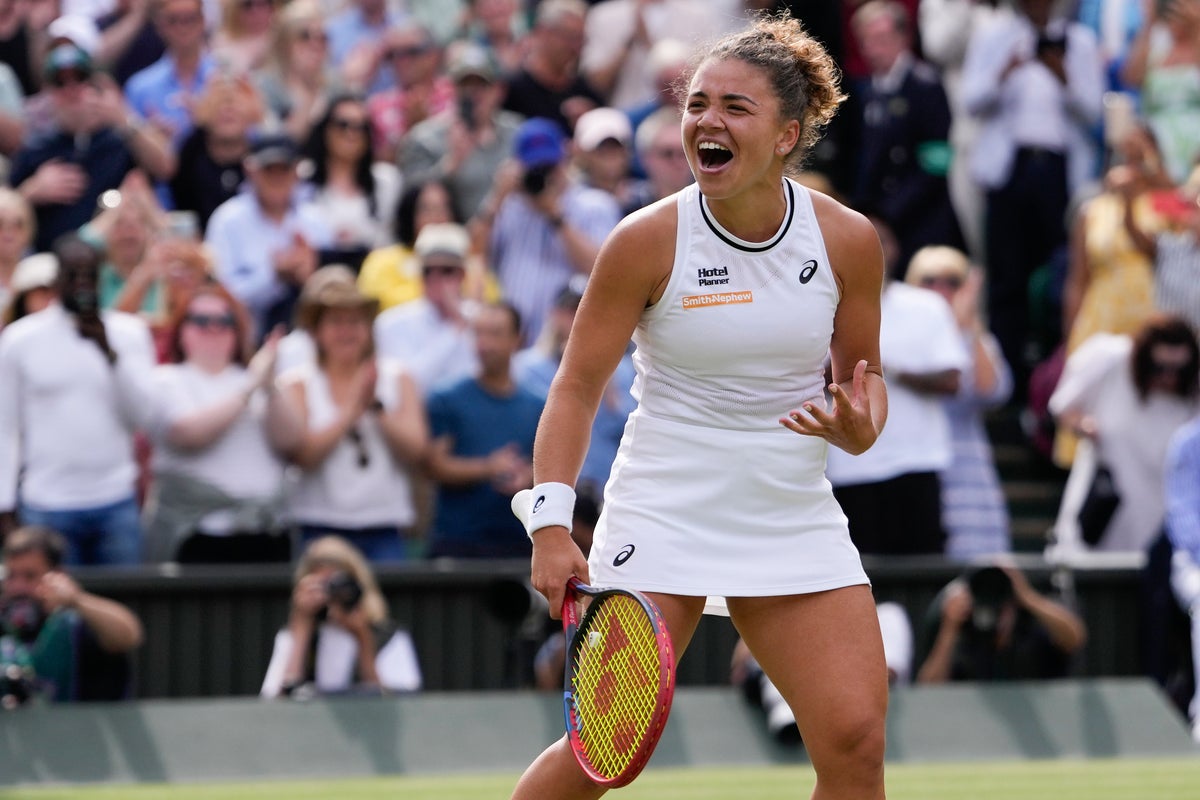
<point>709,493</point>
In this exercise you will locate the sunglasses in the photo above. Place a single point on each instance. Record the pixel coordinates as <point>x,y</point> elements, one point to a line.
<point>306,35</point>
<point>442,270</point>
<point>209,322</point>
<point>345,125</point>
<point>414,51</point>
<point>356,438</point>
<point>250,5</point>
<point>943,281</point>
<point>1161,368</point>
<point>69,77</point>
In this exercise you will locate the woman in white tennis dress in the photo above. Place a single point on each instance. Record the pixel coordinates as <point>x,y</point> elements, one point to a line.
<point>735,290</point>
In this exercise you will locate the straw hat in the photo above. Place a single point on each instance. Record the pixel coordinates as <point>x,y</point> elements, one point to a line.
<point>333,286</point>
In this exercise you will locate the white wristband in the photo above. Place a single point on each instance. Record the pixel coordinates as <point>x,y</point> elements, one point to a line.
<point>544,506</point>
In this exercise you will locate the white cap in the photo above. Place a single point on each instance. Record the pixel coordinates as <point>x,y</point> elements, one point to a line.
<point>38,271</point>
<point>594,126</point>
<point>443,238</point>
<point>77,29</point>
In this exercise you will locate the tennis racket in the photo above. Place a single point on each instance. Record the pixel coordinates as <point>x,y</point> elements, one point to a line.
<point>619,680</point>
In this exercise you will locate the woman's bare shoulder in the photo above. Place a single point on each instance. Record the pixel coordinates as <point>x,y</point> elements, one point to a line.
<point>641,249</point>
<point>850,238</point>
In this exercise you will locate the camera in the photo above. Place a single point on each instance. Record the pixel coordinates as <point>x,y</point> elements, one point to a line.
<point>22,617</point>
<point>344,590</point>
<point>991,589</point>
<point>535,179</point>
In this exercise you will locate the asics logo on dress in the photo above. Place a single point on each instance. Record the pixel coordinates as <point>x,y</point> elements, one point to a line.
<point>713,276</point>
<point>537,504</point>
<point>624,555</point>
<point>808,269</point>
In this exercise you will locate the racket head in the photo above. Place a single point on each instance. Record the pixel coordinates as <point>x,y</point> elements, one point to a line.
<point>619,681</point>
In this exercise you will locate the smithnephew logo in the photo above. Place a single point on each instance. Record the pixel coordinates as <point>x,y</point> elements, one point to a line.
<point>718,299</point>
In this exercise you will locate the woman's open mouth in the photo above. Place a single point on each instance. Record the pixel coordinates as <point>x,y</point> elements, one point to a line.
<point>712,155</point>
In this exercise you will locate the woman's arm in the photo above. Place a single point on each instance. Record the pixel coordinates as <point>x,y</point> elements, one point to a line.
<point>405,428</point>
<point>316,445</point>
<point>859,408</point>
<point>1079,273</point>
<point>631,270</point>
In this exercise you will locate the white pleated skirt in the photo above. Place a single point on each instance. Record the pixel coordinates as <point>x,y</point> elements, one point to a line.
<point>700,511</point>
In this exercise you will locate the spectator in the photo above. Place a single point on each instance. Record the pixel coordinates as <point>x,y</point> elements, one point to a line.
<point>990,624</point>
<point>12,117</point>
<point>1035,84</point>
<point>892,493</point>
<point>243,36</point>
<point>1163,64</point>
<point>974,508</point>
<point>16,42</point>
<point>338,639</point>
<point>667,61</point>
<point>905,150</point>
<point>535,367</point>
<point>354,193</point>
<point>619,35</point>
<point>499,26</point>
<point>392,274</point>
<point>1128,395</point>
<point>1182,523</point>
<point>265,242</point>
<point>33,287</point>
<point>416,91</point>
<point>211,158</point>
<point>432,334</point>
<point>356,42</point>
<point>602,154</point>
<point>549,229</point>
<point>467,143</point>
<point>217,489</point>
<point>483,430</point>
<point>129,41</point>
<point>173,268</point>
<point>16,234</point>
<point>548,84</point>
<point>74,384</point>
<point>94,142</point>
<point>78,644</point>
<point>165,93</point>
<point>659,147</point>
<point>297,78</point>
<point>128,223</point>
<point>364,429</point>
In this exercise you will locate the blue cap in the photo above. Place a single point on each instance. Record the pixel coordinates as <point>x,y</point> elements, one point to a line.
<point>539,143</point>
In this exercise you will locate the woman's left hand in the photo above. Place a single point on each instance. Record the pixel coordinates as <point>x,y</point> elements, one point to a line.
<point>848,424</point>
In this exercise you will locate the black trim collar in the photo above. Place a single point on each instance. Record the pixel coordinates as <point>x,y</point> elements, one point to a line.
<point>759,247</point>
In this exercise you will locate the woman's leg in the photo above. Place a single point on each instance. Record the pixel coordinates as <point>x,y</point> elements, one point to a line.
<point>555,775</point>
<point>824,653</point>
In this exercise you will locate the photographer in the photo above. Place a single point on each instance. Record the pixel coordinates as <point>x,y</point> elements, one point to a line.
<point>338,639</point>
<point>71,644</point>
<point>991,624</point>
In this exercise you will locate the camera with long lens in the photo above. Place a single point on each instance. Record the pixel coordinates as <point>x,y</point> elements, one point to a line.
<point>21,620</point>
<point>991,589</point>
<point>343,590</point>
<point>535,179</point>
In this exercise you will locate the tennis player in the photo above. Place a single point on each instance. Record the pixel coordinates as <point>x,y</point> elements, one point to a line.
<point>735,290</point>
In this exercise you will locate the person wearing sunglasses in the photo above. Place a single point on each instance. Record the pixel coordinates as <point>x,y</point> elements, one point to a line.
<point>363,425</point>
<point>1127,395</point>
<point>415,89</point>
<point>243,37</point>
<point>216,491</point>
<point>298,76</point>
<point>93,141</point>
<point>974,509</point>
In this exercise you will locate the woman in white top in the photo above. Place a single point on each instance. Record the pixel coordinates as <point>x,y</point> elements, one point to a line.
<point>735,291</point>
<point>338,638</point>
<point>364,428</point>
<point>16,234</point>
<point>217,465</point>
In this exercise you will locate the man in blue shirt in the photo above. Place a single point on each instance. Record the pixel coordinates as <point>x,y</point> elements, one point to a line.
<point>1183,529</point>
<point>483,430</point>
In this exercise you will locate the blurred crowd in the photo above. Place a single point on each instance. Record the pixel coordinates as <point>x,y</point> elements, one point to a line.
<point>275,271</point>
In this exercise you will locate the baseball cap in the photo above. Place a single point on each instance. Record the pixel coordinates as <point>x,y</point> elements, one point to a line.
<point>67,56</point>
<point>466,59</point>
<point>38,271</point>
<point>443,239</point>
<point>539,143</point>
<point>77,29</point>
<point>274,148</point>
<point>600,124</point>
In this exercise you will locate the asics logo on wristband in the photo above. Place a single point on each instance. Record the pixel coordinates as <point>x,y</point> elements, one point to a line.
<point>623,556</point>
<point>537,504</point>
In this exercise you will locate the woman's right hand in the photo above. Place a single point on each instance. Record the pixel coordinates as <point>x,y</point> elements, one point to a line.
<point>262,365</point>
<point>309,597</point>
<point>556,559</point>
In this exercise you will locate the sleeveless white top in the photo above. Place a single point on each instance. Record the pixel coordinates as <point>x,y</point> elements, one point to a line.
<point>341,492</point>
<point>710,494</point>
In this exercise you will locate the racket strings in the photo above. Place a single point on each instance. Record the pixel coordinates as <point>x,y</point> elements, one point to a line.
<point>616,683</point>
